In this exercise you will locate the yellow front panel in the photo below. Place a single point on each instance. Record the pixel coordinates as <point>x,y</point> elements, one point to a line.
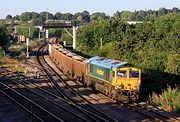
<point>127,83</point>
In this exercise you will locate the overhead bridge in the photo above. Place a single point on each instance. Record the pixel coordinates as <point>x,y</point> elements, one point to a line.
<point>62,24</point>
<point>59,24</point>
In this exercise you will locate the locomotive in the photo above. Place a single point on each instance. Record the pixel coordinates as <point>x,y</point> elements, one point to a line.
<point>116,79</point>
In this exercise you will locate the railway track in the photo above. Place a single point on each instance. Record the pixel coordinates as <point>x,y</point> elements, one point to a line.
<point>39,112</point>
<point>69,94</point>
<point>149,111</point>
<point>143,108</point>
<point>70,103</point>
<point>155,113</point>
<point>43,96</point>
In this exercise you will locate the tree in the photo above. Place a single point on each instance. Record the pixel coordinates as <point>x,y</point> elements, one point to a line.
<point>173,63</point>
<point>16,17</point>
<point>46,15</point>
<point>37,21</point>
<point>79,18</point>
<point>117,15</point>
<point>85,13</point>
<point>86,18</point>
<point>27,16</point>
<point>3,36</point>
<point>35,15</point>
<point>98,16</point>
<point>67,16</point>
<point>162,11</point>
<point>58,15</point>
<point>126,16</point>
<point>139,15</point>
<point>175,10</point>
<point>8,17</point>
<point>76,15</point>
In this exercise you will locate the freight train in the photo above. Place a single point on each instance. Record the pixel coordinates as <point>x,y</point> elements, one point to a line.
<point>117,79</point>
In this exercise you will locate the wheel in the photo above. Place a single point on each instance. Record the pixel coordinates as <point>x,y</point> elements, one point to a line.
<point>134,96</point>
<point>93,85</point>
<point>84,82</point>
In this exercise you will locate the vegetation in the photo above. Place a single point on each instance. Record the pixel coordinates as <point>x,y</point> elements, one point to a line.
<point>168,100</point>
<point>87,17</point>
<point>11,64</point>
<point>18,49</point>
<point>30,19</point>
<point>3,36</point>
<point>153,46</point>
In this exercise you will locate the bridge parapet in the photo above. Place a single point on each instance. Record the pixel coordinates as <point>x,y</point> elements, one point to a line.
<point>59,24</point>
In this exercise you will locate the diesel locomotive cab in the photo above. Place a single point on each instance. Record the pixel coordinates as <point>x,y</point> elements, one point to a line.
<point>128,80</point>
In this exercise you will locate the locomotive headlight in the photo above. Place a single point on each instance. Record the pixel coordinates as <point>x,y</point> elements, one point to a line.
<point>118,87</point>
<point>137,87</point>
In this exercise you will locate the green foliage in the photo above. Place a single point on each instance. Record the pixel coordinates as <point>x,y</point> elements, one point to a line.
<point>168,100</point>
<point>23,29</point>
<point>58,15</point>
<point>126,16</point>
<point>27,16</point>
<point>37,21</point>
<point>17,48</point>
<point>55,33</point>
<point>3,36</point>
<point>67,16</point>
<point>67,38</point>
<point>117,15</point>
<point>172,63</point>
<point>2,52</point>
<point>45,15</point>
<point>153,46</point>
<point>16,17</point>
<point>8,17</point>
<point>148,15</point>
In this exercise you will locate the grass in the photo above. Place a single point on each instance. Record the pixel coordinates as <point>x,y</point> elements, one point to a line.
<point>11,64</point>
<point>21,48</point>
<point>169,100</point>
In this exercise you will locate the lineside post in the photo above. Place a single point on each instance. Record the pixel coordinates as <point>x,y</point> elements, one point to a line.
<point>74,37</point>
<point>27,43</point>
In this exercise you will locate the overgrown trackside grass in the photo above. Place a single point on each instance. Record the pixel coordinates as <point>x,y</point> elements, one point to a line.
<point>11,64</point>
<point>169,100</point>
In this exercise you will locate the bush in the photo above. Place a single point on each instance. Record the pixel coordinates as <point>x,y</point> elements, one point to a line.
<point>1,52</point>
<point>168,100</point>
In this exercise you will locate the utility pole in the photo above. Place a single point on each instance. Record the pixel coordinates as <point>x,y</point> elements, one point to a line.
<point>27,43</point>
<point>39,35</point>
<point>74,37</point>
<point>47,33</point>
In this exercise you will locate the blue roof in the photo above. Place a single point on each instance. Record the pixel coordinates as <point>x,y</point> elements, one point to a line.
<point>106,62</point>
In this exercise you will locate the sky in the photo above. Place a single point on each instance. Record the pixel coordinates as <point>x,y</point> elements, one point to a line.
<point>16,7</point>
